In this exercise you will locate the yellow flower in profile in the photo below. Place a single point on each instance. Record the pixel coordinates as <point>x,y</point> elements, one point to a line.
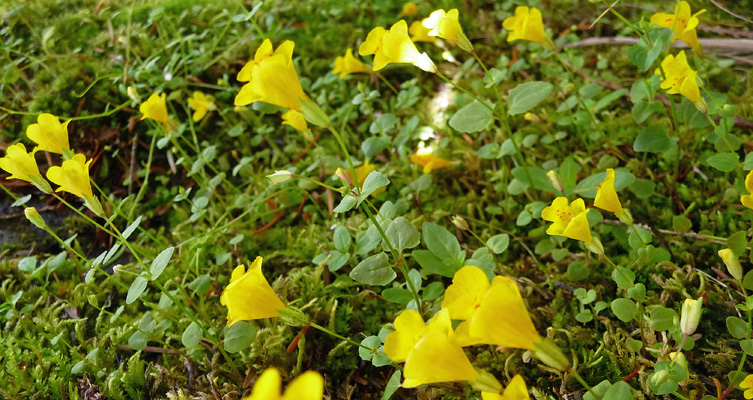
<point>516,390</point>
<point>348,65</point>
<point>264,51</point>
<point>420,33</point>
<point>425,158</point>
<point>72,176</point>
<point>154,108</point>
<point>394,46</point>
<point>295,119</point>
<point>446,26</point>
<point>747,385</point>
<point>273,80</point>
<point>747,199</point>
<point>731,261</point>
<point>248,295</point>
<point>49,134</point>
<point>526,24</point>
<point>682,24</point>
<point>606,196</point>
<point>568,220</point>
<point>307,386</point>
<point>19,164</point>
<point>680,78</point>
<point>201,103</point>
<point>480,304</point>
<point>409,9</point>
<point>431,352</point>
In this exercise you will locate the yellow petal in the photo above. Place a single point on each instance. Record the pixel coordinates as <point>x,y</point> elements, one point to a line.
<point>429,161</point>
<point>398,47</point>
<point>154,108</point>
<point>420,33</point>
<point>578,228</point>
<point>373,42</point>
<point>19,163</point>
<point>72,176</point>
<point>295,119</point>
<point>409,329</point>
<point>267,386</point>
<point>49,134</point>
<point>747,201</point>
<point>274,81</point>
<point>409,9</point>
<point>516,390</point>
<point>463,297</point>
<point>606,196</point>
<point>249,296</point>
<point>526,24</point>
<point>307,386</point>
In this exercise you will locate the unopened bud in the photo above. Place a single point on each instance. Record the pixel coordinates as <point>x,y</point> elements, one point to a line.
<point>680,359</point>
<point>280,177</point>
<point>460,223</point>
<point>529,116</point>
<point>33,216</point>
<point>625,216</point>
<point>133,94</point>
<point>595,246</point>
<point>732,263</point>
<point>690,316</point>
<point>343,175</point>
<point>313,113</point>
<point>40,183</point>
<point>94,205</point>
<point>659,378</point>
<point>548,353</point>
<point>556,181</point>
<point>701,106</point>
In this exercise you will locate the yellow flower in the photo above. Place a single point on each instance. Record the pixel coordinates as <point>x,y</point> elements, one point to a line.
<point>747,199</point>
<point>420,33</point>
<point>348,65</point>
<point>429,161</point>
<point>526,24</point>
<point>431,352</point>
<point>606,196</point>
<point>73,176</point>
<point>516,390</point>
<point>307,386</point>
<point>154,108</point>
<point>409,9</point>
<point>201,103</point>
<point>19,164</point>
<point>682,24</point>
<point>264,51</point>
<point>568,220</point>
<point>249,296</point>
<point>295,119</point>
<point>472,298</point>
<point>49,134</point>
<point>272,79</point>
<point>680,78</point>
<point>446,26</point>
<point>747,383</point>
<point>394,46</point>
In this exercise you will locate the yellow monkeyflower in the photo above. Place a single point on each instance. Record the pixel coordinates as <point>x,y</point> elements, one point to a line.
<point>264,51</point>
<point>527,24</point>
<point>19,164</point>
<point>568,220</point>
<point>295,119</point>
<point>606,196</point>
<point>425,158</point>
<point>201,103</point>
<point>747,199</point>
<point>154,108</point>
<point>516,390</point>
<point>307,386</point>
<point>446,26</point>
<point>394,46</point>
<point>72,176</point>
<point>348,65</point>
<point>747,384</point>
<point>680,79</point>
<point>420,33</point>
<point>431,351</point>
<point>472,298</point>
<point>682,24</point>
<point>409,9</point>
<point>249,296</point>
<point>273,80</point>
<point>49,133</point>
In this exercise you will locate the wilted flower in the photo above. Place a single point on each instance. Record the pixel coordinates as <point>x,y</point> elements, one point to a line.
<point>154,108</point>
<point>425,158</point>
<point>348,65</point>
<point>307,386</point>
<point>49,134</point>
<point>394,46</point>
<point>33,216</point>
<point>568,220</point>
<point>248,295</point>
<point>516,390</point>
<point>272,78</point>
<point>280,177</point>
<point>295,119</point>
<point>681,23</point>
<point>527,24</point>
<point>446,26</point>
<point>679,78</point>
<point>409,9</point>
<point>72,176</point>
<point>201,103</point>
<point>556,180</point>
<point>420,33</point>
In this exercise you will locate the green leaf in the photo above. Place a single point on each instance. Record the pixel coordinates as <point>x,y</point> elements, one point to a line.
<point>374,181</point>
<point>341,238</point>
<point>473,117</point>
<point>132,227</point>
<point>675,374</point>
<point>747,346</point>
<point>623,277</point>
<point>347,203</point>
<point>441,242</point>
<point>239,336</point>
<point>191,336</point>
<point>653,139</point>
<point>725,162</point>
<point>392,385</point>
<point>371,344</point>
<point>138,340</point>
<point>498,243</point>
<point>337,260</point>
<point>137,287</point>
<point>374,270</point>
<point>397,295</point>
<point>598,391</point>
<point>527,95</point>
<point>624,309</point>
<point>738,243</point>
<point>577,271</point>
<point>737,327</point>
<point>402,234</point>
<point>619,391</point>
<point>663,318</point>
<point>433,265</point>
<point>637,292</point>
<point>643,55</point>
<point>160,262</point>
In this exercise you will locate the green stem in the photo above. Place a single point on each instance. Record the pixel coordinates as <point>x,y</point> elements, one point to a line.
<point>386,82</point>
<point>678,395</point>
<point>580,379</point>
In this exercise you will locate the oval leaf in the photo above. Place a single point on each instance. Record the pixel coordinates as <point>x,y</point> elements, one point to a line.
<point>374,270</point>
<point>527,95</point>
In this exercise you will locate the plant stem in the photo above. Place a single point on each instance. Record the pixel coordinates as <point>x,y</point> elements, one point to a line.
<point>580,379</point>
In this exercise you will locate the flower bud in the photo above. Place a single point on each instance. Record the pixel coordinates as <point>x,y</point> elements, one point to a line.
<point>690,316</point>
<point>313,113</point>
<point>133,94</point>
<point>94,205</point>
<point>280,177</point>
<point>548,353</point>
<point>460,223</point>
<point>556,181</point>
<point>40,183</point>
<point>680,359</point>
<point>595,246</point>
<point>625,216</point>
<point>732,263</point>
<point>33,216</point>
<point>343,175</point>
<point>529,116</point>
<point>659,378</point>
